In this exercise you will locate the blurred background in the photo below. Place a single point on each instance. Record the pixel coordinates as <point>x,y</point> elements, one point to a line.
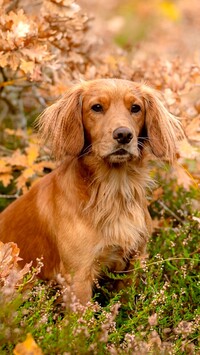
<point>152,27</point>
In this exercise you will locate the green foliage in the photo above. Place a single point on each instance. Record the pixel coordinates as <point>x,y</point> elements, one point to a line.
<point>158,314</point>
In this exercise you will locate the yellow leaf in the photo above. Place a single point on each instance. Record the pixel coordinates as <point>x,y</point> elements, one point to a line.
<point>17,159</point>
<point>5,173</point>
<point>15,132</point>
<point>32,153</point>
<point>27,173</point>
<point>21,183</point>
<point>170,10</point>
<point>9,131</point>
<point>11,82</point>
<point>4,168</point>
<point>6,179</point>
<point>39,167</point>
<point>28,347</point>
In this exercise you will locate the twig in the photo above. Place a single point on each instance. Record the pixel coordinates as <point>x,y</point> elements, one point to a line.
<point>13,82</point>
<point>9,196</point>
<point>5,150</point>
<point>170,211</point>
<point>3,74</point>
<point>153,263</point>
<point>39,97</point>
<point>197,251</point>
<point>10,104</point>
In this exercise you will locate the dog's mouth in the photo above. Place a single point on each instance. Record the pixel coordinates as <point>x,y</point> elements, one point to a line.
<point>120,152</point>
<point>119,156</point>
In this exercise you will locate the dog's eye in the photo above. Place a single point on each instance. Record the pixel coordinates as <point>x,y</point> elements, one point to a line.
<point>135,108</point>
<point>97,108</point>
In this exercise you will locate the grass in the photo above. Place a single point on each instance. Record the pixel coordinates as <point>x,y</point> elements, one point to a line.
<point>159,314</point>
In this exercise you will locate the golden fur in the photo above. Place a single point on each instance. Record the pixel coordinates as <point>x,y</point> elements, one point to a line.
<point>92,210</point>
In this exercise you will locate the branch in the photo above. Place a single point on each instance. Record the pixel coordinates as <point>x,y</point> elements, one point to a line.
<point>12,6</point>
<point>170,211</point>
<point>9,196</point>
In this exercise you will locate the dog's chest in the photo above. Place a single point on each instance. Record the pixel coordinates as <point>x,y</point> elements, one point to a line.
<point>118,215</point>
<point>122,227</point>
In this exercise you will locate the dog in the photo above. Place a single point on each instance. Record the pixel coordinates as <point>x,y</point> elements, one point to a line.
<point>91,211</point>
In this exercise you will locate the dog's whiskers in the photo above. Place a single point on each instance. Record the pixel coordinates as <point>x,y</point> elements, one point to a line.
<point>86,151</point>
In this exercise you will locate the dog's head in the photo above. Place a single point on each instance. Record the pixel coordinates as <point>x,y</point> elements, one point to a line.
<point>113,119</point>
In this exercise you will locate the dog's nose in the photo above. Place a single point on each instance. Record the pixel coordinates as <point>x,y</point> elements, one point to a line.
<point>123,135</point>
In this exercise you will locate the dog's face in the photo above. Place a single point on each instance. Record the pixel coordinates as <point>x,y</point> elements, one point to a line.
<point>113,118</point>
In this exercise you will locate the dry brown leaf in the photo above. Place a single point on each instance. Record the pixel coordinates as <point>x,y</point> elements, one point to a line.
<point>192,128</point>
<point>157,223</point>
<point>10,274</point>
<point>3,59</point>
<point>157,194</point>
<point>186,150</point>
<point>27,66</point>
<point>153,320</point>
<point>9,256</point>
<point>183,177</point>
<point>37,53</point>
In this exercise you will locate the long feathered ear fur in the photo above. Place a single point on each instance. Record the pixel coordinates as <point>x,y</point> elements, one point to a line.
<point>61,124</point>
<point>163,128</point>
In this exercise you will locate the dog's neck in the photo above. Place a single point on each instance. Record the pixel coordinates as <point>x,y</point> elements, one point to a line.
<point>129,179</point>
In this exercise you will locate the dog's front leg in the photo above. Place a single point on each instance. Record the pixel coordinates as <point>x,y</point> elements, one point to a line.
<point>82,287</point>
<point>78,288</point>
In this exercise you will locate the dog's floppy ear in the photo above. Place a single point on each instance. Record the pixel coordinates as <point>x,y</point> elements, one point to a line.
<point>163,129</point>
<point>61,124</point>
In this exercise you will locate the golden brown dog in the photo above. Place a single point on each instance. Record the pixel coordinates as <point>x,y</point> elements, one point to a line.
<point>92,211</point>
